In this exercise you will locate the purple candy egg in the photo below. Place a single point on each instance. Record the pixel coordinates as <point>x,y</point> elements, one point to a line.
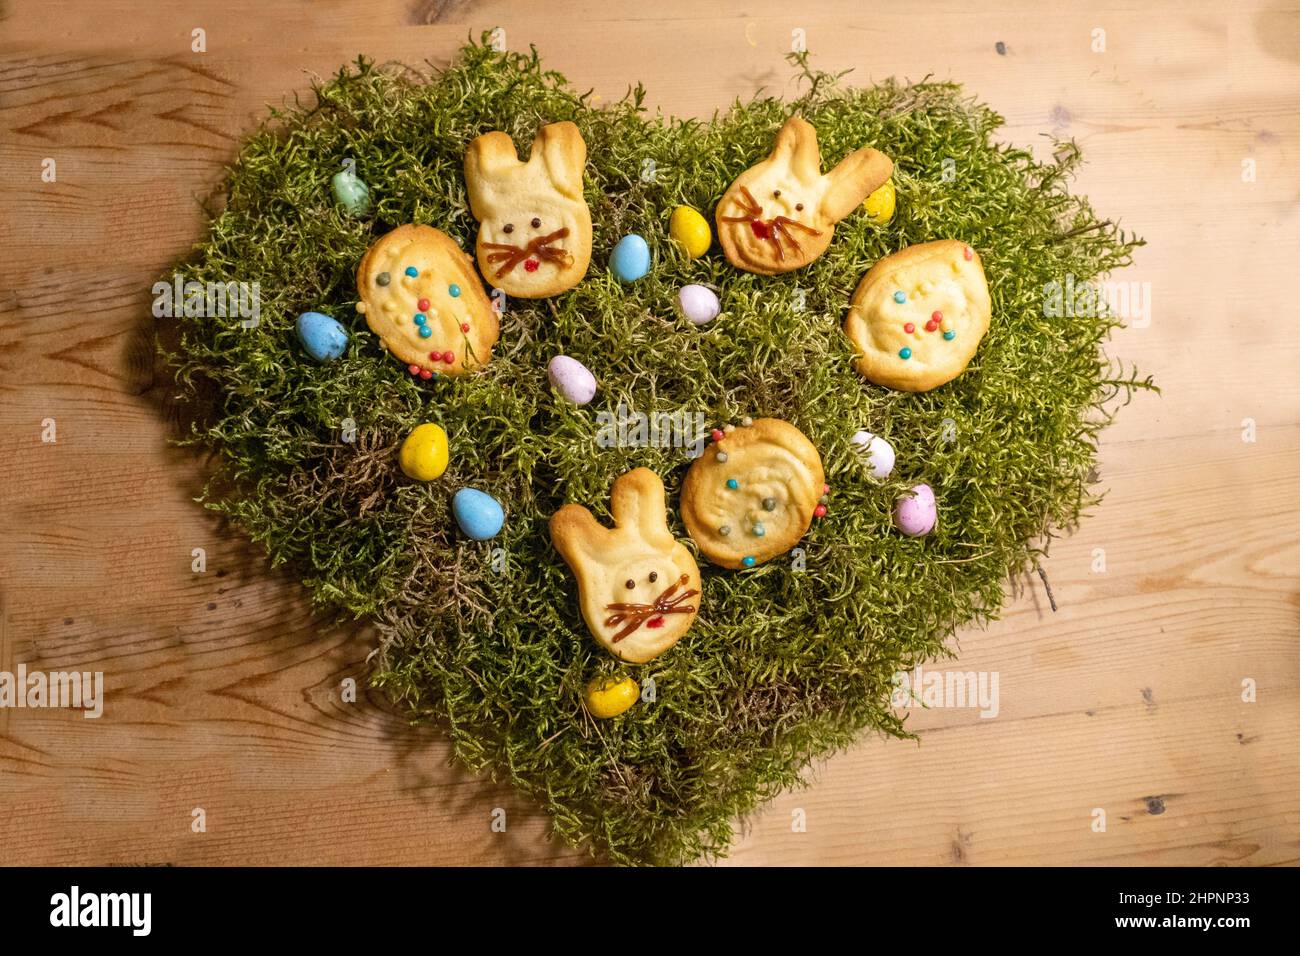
<point>572,379</point>
<point>915,513</point>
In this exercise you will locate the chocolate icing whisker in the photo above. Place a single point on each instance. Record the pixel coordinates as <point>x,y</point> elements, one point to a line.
<point>638,614</point>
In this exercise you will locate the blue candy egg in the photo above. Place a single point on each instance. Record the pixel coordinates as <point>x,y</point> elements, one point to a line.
<point>324,338</point>
<point>351,193</point>
<point>630,259</point>
<point>478,513</point>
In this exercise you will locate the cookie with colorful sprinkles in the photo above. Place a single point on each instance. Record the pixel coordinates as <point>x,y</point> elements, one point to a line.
<point>419,293</point>
<point>918,315</point>
<point>753,493</point>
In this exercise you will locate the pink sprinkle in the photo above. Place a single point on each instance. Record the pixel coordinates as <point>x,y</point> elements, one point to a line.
<point>936,316</point>
<point>909,328</point>
<point>449,356</point>
<point>968,253</point>
<point>413,369</point>
<point>425,374</point>
<point>464,326</point>
<point>423,305</point>
<point>820,511</point>
<point>826,489</point>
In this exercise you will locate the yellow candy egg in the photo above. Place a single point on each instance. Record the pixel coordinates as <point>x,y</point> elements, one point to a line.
<point>690,229</point>
<point>611,696</point>
<point>424,453</point>
<point>880,204</point>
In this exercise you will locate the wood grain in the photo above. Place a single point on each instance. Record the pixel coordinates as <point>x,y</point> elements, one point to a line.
<point>224,687</point>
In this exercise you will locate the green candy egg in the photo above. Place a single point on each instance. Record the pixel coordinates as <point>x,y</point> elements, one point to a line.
<point>351,193</point>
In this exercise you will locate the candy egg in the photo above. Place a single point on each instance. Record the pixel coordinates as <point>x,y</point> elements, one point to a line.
<point>915,513</point>
<point>630,259</point>
<point>879,205</point>
<point>424,454</point>
<point>351,193</point>
<point>571,379</point>
<point>698,303</point>
<point>323,337</point>
<point>479,514</point>
<point>879,453</point>
<point>610,696</point>
<point>691,229</point>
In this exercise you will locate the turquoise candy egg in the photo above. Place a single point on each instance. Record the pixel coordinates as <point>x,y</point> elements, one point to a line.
<point>324,338</point>
<point>630,259</point>
<point>351,193</point>
<point>478,513</point>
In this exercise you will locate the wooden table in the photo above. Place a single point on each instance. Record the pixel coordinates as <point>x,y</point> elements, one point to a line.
<point>223,688</point>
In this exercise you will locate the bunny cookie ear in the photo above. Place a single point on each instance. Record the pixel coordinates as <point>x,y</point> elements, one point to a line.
<point>853,179</point>
<point>561,148</point>
<point>796,145</point>
<point>575,533</point>
<point>638,504</point>
<point>486,158</point>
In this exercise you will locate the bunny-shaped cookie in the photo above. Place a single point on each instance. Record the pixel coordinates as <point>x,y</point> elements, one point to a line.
<point>637,584</point>
<point>534,236</point>
<point>780,214</point>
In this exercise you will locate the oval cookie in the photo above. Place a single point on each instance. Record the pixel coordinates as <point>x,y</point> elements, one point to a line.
<point>751,496</point>
<point>420,295</point>
<point>918,315</point>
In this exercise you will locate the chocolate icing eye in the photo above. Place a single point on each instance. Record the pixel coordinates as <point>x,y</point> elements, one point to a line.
<point>798,207</point>
<point>508,227</point>
<point>630,584</point>
<point>776,194</point>
<point>654,576</point>
<point>536,222</point>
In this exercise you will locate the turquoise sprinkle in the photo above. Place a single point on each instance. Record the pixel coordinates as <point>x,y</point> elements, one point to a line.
<point>747,561</point>
<point>905,353</point>
<point>420,318</point>
<point>900,297</point>
<point>425,331</point>
<point>759,530</point>
<point>733,484</point>
<point>950,335</point>
<point>454,290</point>
<point>412,271</point>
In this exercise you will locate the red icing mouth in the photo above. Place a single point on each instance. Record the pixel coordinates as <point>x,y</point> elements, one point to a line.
<point>531,265</point>
<point>655,621</point>
<point>760,228</point>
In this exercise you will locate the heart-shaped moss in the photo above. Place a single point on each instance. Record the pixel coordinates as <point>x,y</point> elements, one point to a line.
<point>786,662</point>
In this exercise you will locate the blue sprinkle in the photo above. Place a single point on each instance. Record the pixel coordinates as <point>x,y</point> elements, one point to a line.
<point>412,271</point>
<point>420,318</point>
<point>759,531</point>
<point>905,354</point>
<point>454,290</point>
<point>425,331</point>
<point>747,561</point>
<point>950,335</point>
<point>733,484</point>
<point>900,297</point>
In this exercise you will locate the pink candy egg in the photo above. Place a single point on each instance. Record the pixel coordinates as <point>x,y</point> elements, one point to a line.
<point>915,513</point>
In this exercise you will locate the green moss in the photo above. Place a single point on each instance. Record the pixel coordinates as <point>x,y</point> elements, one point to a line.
<point>782,665</point>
